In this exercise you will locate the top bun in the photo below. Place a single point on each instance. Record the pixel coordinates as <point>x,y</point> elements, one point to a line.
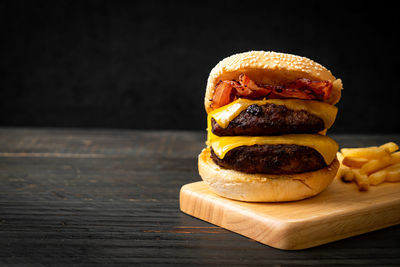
<point>270,68</point>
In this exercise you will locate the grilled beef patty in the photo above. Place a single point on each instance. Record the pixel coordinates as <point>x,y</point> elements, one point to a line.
<point>270,119</point>
<point>273,159</point>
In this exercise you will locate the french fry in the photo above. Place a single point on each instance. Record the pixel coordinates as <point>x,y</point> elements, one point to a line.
<point>395,157</point>
<point>391,147</point>
<point>372,152</point>
<point>345,174</point>
<point>377,177</point>
<point>361,180</point>
<point>370,165</point>
<point>390,174</point>
<point>393,173</point>
<point>354,162</point>
<point>339,157</point>
<point>375,165</point>
<point>348,175</point>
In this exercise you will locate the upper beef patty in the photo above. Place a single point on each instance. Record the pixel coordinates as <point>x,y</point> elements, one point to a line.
<point>270,119</point>
<point>273,159</point>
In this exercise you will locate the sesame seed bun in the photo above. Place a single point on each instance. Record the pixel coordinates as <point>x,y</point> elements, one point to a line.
<point>264,187</point>
<point>270,68</point>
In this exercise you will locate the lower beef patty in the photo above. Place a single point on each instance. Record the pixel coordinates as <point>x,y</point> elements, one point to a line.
<point>270,119</point>
<point>273,159</point>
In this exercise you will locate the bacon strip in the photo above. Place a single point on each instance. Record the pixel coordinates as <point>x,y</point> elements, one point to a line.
<point>228,91</point>
<point>253,90</point>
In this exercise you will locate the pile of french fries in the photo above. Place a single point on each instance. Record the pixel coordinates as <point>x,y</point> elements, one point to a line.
<point>369,165</point>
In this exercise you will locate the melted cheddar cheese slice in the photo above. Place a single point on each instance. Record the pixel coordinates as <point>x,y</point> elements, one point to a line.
<point>226,114</point>
<point>325,145</point>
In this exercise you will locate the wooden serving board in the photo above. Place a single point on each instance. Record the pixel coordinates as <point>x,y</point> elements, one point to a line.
<point>338,212</point>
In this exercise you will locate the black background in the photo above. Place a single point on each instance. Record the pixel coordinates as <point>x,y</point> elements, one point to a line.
<point>144,64</point>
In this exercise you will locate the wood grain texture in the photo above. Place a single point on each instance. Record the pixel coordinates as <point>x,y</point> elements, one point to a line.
<point>109,197</point>
<point>338,212</point>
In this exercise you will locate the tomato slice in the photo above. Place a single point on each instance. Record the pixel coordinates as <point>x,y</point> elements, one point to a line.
<point>223,94</point>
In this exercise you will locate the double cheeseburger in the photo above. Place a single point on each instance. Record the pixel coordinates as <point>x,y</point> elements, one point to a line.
<point>267,118</point>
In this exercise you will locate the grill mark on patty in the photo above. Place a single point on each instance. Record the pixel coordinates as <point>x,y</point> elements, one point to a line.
<point>272,159</point>
<point>270,119</point>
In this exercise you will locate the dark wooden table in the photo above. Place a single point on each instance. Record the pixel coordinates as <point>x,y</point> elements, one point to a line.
<point>111,197</point>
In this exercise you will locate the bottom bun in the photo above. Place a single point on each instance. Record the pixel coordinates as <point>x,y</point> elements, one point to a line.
<point>264,187</point>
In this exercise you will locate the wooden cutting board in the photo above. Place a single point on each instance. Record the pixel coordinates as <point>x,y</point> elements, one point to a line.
<point>338,212</point>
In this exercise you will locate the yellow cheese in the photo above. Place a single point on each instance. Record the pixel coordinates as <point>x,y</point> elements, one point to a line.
<point>225,114</point>
<point>325,145</point>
